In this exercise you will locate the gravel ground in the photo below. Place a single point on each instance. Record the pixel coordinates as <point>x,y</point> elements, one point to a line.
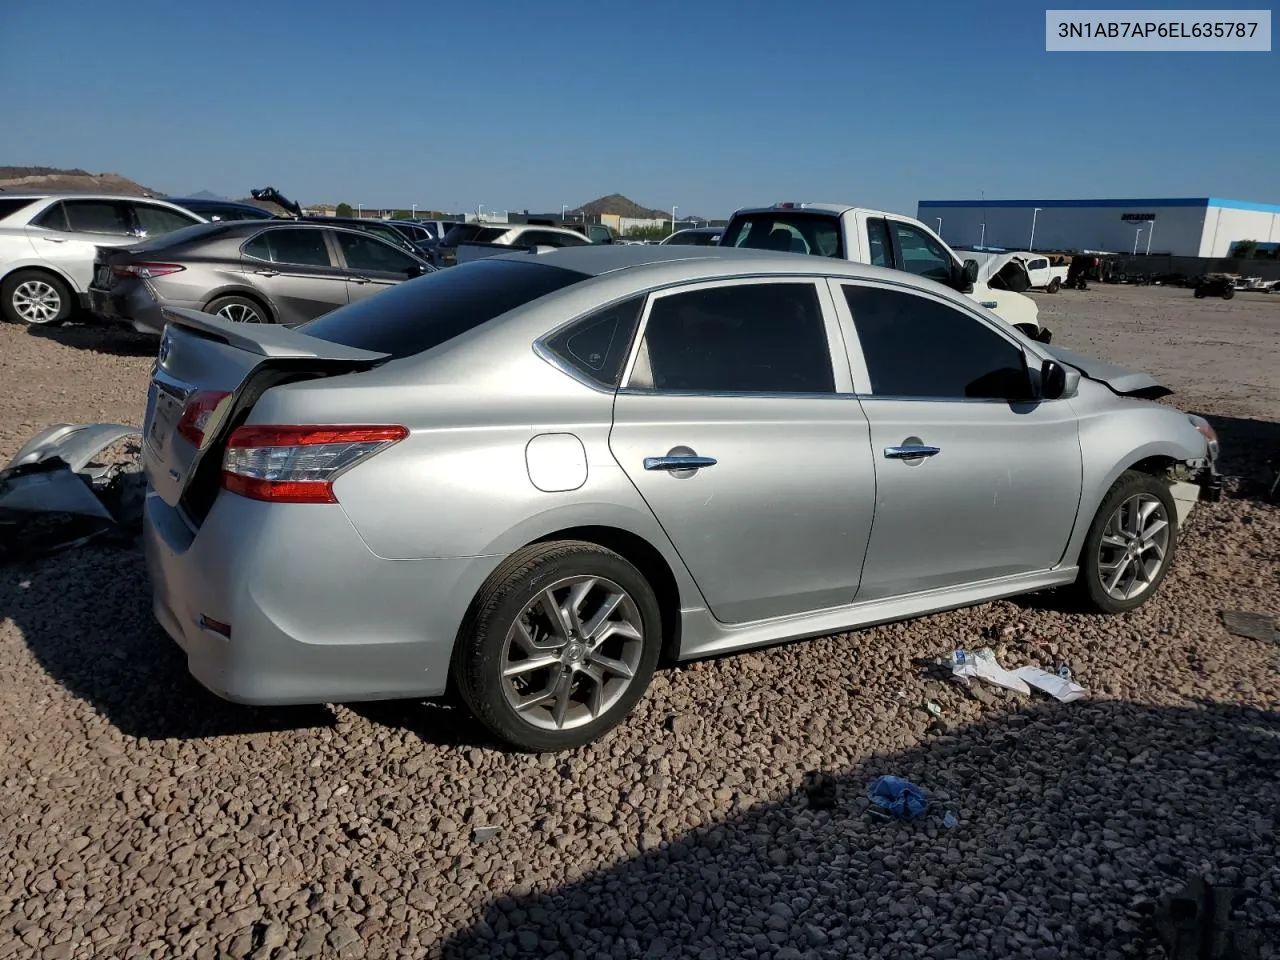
<point>146,818</point>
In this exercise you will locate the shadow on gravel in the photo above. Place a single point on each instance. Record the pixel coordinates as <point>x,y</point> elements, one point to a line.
<point>1074,819</point>
<point>86,617</point>
<point>442,723</point>
<point>100,338</point>
<point>1248,448</point>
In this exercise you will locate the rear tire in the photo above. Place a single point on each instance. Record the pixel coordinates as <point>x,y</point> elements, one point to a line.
<point>586,617</point>
<point>36,298</point>
<point>1054,285</point>
<point>1228,293</point>
<point>1199,293</point>
<point>238,309</point>
<point>1128,551</point>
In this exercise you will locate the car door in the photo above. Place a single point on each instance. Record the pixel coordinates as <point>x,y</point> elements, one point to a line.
<point>741,434</point>
<point>295,269</point>
<point>371,265</point>
<point>975,479</point>
<point>69,233</point>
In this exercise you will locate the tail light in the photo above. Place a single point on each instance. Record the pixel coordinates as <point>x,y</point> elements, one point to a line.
<point>146,271</point>
<point>200,408</point>
<point>299,464</point>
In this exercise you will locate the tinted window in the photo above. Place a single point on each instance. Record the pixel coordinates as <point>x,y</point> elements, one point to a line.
<point>917,347</point>
<point>10,206</point>
<point>157,221</point>
<point>549,238</point>
<point>921,254</point>
<point>473,233</point>
<point>389,234</point>
<point>756,338</point>
<point>302,247</point>
<point>411,317</point>
<point>369,253</point>
<point>597,345</point>
<point>97,216</point>
<point>786,230</point>
<point>54,218</point>
<point>878,248</point>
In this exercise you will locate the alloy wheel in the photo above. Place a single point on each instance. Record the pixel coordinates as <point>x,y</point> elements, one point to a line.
<point>572,653</point>
<point>36,301</point>
<point>240,313</point>
<point>1133,548</point>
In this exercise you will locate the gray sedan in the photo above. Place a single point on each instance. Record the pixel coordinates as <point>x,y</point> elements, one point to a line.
<point>276,271</point>
<point>530,477</point>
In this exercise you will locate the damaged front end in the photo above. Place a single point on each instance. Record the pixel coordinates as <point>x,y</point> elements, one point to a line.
<point>60,491</point>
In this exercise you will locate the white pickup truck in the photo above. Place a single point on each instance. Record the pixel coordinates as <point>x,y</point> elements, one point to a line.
<point>1017,270</point>
<point>881,239</point>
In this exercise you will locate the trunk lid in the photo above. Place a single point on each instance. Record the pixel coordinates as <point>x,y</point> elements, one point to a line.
<point>211,371</point>
<point>1125,382</point>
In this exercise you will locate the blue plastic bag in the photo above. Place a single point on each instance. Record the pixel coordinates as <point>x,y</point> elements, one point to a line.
<point>902,799</point>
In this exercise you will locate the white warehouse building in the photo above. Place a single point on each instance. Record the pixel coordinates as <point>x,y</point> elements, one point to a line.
<point>1184,226</point>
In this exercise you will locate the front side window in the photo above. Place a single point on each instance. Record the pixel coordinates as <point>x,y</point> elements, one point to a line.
<point>788,231</point>
<point>742,338</point>
<point>290,246</point>
<point>369,253</point>
<point>918,348</point>
<point>597,345</point>
<point>97,216</point>
<point>157,221</point>
<point>921,254</point>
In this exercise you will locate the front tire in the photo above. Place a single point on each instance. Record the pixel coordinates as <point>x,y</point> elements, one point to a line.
<point>1130,544</point>
<point>36,298</point>
<point>1228,293</point>
<point>1054,285</point>
<point>559,646</point>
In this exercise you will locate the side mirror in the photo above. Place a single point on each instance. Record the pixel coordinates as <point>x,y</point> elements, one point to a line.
<point>971,272</point>
<point>417,270</point>
<point>1058,381</point>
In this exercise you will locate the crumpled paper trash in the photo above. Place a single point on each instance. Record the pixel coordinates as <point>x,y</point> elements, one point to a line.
<point>1054,684</point>
<point>983,665</point>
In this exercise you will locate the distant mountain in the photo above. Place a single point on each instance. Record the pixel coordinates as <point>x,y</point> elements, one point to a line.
<point>619,205</point>
<point>75,180</point>
<point>204,195</point>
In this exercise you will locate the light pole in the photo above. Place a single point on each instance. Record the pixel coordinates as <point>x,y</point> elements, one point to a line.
<point>359,211</point>
<point>1136,234</point>
<point>479,211</point>
<point>413,211</point>
<point>1032,245</point>
<point>673,218</point>
<point>564,209</point>
<point>982,239</point>
<point>939,226</point>
<point>1151,228</point>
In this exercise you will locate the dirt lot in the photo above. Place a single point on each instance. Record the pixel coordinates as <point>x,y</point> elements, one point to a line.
<point>145,818</point>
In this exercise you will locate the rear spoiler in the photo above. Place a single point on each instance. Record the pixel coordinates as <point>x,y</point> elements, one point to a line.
<point>264,339</point>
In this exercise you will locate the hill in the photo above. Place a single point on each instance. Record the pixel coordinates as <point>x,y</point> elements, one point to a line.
<point>616,203</point>
<point>75,180</point>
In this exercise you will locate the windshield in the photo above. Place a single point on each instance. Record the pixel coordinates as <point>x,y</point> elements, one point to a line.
<point>420,314</point>
<point>788,231</point>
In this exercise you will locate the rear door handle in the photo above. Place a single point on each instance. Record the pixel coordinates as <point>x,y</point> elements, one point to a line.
<point>267,273</point>
<point>55,239</point>
<point>359,279</point>
<point>911,452</point>
<point>678,463</point>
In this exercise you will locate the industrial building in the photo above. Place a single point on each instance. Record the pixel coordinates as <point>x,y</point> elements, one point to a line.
<point>1183,226</point>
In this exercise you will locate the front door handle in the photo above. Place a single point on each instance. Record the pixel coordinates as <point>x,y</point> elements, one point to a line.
<point>267,273</point>
<point>678,463</point>
<point>55,239</point>
<point>912,451</point>
<point>359,279</point>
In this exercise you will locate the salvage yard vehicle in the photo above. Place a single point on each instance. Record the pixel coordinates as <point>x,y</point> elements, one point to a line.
<point>1215,285</point>
<point>215,210</point>
<point>694,237</point>
<point>528,477</point>
<point>880,239</point>
<point>48,242</point>
<point>462,244</point>
<point>276,271</point>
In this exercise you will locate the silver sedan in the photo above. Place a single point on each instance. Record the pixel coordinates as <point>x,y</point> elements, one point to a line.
<point>531,477</point>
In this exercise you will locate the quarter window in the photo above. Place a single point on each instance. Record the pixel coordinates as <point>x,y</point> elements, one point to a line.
<point>921,254</point>
<point>301,247</point>
<point>597,345</point>
<point>744,338</point>
<point>919,348</point>
<point>97,216</point>
<point>878,249</point>
<point>367,253</point>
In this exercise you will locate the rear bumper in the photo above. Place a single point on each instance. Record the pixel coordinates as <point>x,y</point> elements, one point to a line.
<point>314,616</point>
<point>133,306</point>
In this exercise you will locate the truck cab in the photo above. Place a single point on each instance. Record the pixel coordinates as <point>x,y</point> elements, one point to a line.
<point>881,239</point>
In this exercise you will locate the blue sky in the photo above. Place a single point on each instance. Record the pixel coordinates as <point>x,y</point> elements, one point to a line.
<point>707,104</point>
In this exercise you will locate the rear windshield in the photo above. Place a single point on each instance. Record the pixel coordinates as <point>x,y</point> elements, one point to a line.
<point>8,207</point>
<point>472,233</point>
<point>788,231</point>
<point>420,314</point>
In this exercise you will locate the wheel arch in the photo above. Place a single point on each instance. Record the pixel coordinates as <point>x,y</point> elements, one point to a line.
<point>247,294</point>
<point>21,267</point>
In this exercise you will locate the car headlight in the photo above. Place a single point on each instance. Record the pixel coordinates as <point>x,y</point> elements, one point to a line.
<point>1206,430</point>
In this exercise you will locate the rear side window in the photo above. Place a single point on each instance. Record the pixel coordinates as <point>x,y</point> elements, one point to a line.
<point>472,233</point>
<point>597,345</point>
<point>302,247</point>
<point>879,252</point>
<point>8,207</point>
<point>420,314</point>
<point>97,216</point>
<point>788,231</point>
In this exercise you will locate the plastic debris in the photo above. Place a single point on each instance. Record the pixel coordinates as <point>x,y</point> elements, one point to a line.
<point>1064,671</point>
<point>983,665</point>
<point>949,820</point>
<point>899,798</point>
<point>1055,684</point>
<point>933,708</point>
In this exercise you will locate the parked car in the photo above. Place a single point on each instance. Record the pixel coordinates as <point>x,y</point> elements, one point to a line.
<point>471,241</point>
<point>48,242</point>
<point>878,238</point>
<point>280,271</point>
<point>694,236</point>
<point>214,210</point>
<point>595,232</point>
<point>528,477</point>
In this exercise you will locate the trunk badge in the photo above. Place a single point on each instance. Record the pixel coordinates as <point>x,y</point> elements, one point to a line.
<point>163,354</point>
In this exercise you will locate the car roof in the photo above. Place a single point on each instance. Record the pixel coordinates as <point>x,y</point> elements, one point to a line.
<point>56,195</point>
<point>805,207</point>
